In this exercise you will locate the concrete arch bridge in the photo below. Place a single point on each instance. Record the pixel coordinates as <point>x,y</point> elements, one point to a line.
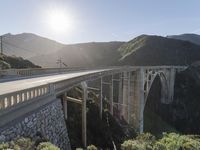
<point>36,89</point>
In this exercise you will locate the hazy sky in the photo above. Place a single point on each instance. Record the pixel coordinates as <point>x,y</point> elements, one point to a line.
<point>101,20</point>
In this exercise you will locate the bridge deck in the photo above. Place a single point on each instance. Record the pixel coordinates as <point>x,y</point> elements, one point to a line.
<point>18,85</point>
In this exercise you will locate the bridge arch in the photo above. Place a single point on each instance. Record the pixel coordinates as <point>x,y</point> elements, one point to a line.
<point>164,85</point>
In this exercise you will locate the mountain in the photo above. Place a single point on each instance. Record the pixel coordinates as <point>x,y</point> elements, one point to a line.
<point>157,50</point>
<point>27,45</point>
<point>82,55</point>
<point>46,52</point>
<point>194,38</point>
<point>142,50</point>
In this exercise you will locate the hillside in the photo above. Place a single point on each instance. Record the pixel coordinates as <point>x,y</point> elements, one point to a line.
<point>142,50</point>
<point>7,62</point>
<point>157,50</point>
<point>194,38</point>
<point>27,45</point>
<point>82,55</point>
<point>46,52</point>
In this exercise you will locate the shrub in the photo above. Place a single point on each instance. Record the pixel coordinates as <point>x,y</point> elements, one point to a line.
<point>171,141</point>
<point>27,144</point>
<point>47,146</point>
<point>91,147</point>
<point>4,146</point>
<point>24,144</point>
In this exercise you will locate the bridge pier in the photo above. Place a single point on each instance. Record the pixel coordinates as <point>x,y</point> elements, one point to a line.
<point>126,95</point>
<point>137,99</point>
<point>111,96</point>
<point>84,114</point>
<point>65,106</point>
<point>101,98</point>
<point>171,84</point>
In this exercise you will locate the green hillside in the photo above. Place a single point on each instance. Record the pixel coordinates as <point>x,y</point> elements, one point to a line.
<point>157,50</point>
<point>7,62</point>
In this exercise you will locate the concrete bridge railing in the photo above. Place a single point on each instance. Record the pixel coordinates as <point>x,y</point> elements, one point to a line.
<point>42,71</point>
<point>11,99</point>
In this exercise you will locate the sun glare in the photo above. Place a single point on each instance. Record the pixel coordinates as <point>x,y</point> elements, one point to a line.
<point>59,21</point>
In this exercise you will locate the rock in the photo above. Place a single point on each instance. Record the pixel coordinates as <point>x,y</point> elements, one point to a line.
<point>26,120</point>
<point>2,138</point>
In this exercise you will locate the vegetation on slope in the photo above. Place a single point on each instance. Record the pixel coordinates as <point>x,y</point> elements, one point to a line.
<point>171,141</point>
<point>103,133</point>
<point>186,104</point>
<point>7,62</point>
<point>157,50</point>
<point>27,144</point>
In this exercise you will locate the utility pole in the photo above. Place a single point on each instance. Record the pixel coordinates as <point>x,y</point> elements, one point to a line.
<point>1,38</point>
<point>59,61</point>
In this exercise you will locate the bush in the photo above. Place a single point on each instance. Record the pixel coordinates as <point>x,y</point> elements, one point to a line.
<point>91,147</point>
<point>27,144</point>
<point>171,141</point>
<point>4,146</point>
<point>24,144</point>
<point>47,146</point>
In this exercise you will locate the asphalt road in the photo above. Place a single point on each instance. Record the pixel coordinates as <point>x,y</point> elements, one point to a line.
<point>18,85</point>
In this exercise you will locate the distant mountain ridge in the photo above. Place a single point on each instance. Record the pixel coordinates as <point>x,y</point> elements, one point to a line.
<point>142,50</point>
<point>194,38</point>
<point>27,45</point>
<point>45,52</point>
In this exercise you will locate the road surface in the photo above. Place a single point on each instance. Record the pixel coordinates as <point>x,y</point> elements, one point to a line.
<point>18,85</point>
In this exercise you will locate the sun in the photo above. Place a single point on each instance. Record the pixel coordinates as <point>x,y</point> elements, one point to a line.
<point>59,21</point>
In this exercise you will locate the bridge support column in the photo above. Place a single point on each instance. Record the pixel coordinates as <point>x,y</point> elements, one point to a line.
<point>137,99</point>
<point>129,97</point>
<point>171,79</point>
<point>101,98</point>
<point>84,114</point>
<point>126,96</point>
<point>65,105</point>
<point>120,95</point>
<point>142,102</point>
<point>111,96</point>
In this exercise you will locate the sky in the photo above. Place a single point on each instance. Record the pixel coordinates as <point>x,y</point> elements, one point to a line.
<point>100,20</point>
